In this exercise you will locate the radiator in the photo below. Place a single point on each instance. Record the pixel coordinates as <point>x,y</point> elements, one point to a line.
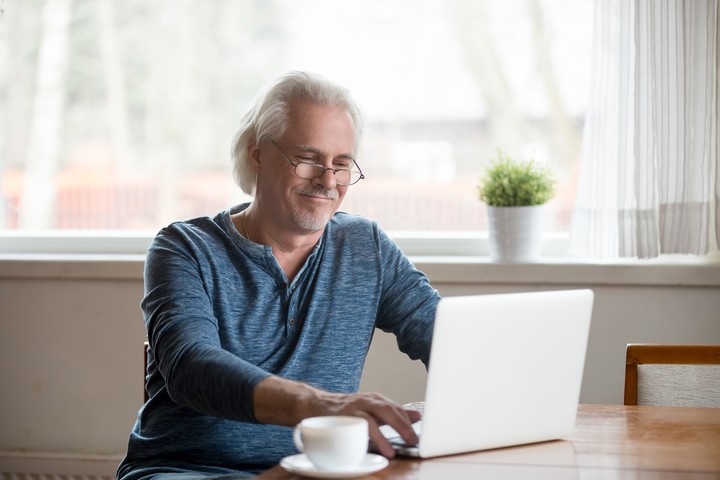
<point>51,466</point>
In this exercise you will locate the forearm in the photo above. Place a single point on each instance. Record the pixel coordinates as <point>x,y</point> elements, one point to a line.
<point>279,401</point>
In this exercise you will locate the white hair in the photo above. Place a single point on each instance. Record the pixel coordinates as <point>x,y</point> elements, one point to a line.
<point>268,118</point>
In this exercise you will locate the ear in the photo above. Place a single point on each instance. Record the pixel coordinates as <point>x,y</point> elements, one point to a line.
<point>254,156</point>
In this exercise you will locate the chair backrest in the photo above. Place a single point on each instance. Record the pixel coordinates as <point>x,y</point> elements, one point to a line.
<point>672,375</point>
<point>146,346</point>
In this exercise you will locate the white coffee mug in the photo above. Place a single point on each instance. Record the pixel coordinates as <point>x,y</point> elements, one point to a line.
<point>333,443</point>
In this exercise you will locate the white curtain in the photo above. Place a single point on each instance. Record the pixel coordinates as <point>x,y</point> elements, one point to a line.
<point>650,181</point>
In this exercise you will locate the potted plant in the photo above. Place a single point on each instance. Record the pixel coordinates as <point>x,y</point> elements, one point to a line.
<point>515,192</point>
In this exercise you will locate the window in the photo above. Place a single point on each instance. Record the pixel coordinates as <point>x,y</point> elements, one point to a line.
<point>119,114</point>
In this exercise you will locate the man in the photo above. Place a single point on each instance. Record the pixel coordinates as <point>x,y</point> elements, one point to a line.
<point>263,315</point>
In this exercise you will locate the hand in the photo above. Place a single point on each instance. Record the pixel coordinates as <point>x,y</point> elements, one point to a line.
<point>285,402</point>
<point>377,410</point>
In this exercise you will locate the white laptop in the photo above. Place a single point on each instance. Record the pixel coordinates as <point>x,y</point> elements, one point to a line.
<point>504,370</point>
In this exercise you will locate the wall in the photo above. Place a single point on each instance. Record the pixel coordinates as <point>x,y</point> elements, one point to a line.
<point>71,338</point>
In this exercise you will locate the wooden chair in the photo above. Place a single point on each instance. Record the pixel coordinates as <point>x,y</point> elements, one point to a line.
<point>672,375</point>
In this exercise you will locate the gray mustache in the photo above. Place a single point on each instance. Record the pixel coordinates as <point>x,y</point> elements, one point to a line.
<point>317,192</point>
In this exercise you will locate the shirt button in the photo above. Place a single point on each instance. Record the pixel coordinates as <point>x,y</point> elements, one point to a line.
<point>292,321</point>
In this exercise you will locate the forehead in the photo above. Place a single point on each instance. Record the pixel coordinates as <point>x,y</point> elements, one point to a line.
<point>327,127</point>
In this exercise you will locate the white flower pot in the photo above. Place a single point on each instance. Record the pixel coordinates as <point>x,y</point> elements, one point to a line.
<point>515,233</point>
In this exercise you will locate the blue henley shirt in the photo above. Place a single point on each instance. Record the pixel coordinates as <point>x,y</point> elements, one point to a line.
<point>221,316</point>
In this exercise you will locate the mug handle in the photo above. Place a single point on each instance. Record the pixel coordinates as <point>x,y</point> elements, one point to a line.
<point>297,438</point>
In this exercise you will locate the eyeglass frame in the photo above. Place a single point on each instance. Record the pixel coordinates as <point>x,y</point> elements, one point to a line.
<point>317,165</point>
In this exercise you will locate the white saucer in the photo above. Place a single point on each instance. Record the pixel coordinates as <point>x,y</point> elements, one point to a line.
<point>302,466</point>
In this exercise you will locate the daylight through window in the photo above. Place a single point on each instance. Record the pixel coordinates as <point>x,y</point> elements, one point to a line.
<point>119,114</point>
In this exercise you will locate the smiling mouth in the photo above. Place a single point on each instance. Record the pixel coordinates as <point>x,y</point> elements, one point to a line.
<point>315,193</point>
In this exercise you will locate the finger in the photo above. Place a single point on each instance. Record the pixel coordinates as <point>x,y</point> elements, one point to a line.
<point>402,422</point>
<point>408,434</point>
<point>387,412</point>
<point>413,415</point>
<point>378,439</point>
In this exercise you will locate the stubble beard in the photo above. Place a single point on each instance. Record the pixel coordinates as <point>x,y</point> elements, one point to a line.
<point>313,220</point>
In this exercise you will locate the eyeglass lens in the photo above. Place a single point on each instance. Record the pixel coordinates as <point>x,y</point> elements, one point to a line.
<point>311,170</point>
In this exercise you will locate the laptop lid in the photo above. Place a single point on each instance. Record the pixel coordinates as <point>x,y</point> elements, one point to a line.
<point>504,370</point>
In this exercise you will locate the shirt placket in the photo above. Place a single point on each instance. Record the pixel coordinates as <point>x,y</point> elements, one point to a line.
<point>292,321</point>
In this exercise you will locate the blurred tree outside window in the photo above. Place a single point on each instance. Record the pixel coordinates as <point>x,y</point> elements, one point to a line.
<point>119,114</point>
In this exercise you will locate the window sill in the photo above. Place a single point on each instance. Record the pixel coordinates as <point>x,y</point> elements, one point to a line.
<point>670,271</point>
<point>117,255</point>
<point>72,266</point>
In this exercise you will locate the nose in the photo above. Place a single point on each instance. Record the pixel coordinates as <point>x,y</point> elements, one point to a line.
<point>326,180</point>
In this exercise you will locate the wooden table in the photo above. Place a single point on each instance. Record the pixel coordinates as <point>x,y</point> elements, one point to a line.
<point>609,442</point>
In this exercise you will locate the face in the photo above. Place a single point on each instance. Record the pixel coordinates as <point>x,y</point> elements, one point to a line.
<point>317,133</point>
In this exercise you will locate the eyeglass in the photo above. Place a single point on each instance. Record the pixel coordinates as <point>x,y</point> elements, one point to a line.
<point>310,170</point>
